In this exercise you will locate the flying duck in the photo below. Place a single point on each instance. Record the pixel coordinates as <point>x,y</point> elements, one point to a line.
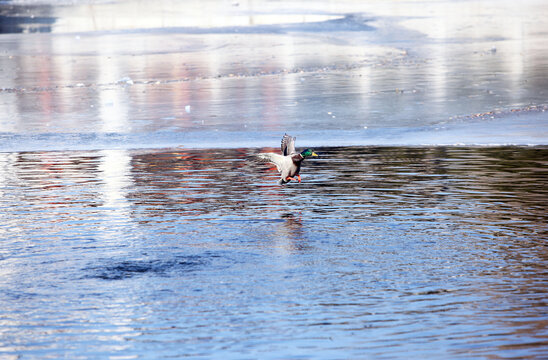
<point>289,162</point>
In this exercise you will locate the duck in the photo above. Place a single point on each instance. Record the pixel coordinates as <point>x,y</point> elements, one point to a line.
<point>289,162</point>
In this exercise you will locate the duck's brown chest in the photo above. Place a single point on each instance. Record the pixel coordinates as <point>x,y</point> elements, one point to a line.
<point>297,160</point>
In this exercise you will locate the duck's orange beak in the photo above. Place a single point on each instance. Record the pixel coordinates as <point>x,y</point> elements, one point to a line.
<point>314,154</point>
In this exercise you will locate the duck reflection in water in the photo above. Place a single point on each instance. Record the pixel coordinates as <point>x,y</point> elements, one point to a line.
<point>290,233</point>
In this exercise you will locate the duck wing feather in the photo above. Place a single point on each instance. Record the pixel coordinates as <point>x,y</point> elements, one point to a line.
<point>288,145</point>
<point>279,160</point>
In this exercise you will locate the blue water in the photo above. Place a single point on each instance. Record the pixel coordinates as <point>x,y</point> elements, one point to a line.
<point>378,253</point>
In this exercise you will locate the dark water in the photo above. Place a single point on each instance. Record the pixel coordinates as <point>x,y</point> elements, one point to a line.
<point>381,252</point>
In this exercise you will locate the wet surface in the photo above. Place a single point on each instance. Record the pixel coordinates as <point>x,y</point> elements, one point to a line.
<point>384,74</point>
<point>379,252</point>
<point>135,222</point>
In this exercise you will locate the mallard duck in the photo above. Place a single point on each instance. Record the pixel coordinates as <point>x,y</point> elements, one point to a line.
<point>289,162</point>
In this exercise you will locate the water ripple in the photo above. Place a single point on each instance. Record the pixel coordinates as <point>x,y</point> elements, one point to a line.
<point>379,252</point>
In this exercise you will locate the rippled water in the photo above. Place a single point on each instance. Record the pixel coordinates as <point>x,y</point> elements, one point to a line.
<point>380,252</point>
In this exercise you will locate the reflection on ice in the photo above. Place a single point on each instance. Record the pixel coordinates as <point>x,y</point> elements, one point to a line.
<point>321,67</point>
<point>113,103</point>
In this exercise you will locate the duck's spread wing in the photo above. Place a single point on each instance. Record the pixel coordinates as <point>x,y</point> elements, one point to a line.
<point>288,145</point>
<point>275,159</point>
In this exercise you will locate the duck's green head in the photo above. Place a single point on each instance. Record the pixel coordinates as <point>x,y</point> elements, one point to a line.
<point>307,153</point>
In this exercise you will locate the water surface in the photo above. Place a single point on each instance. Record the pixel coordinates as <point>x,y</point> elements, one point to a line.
<point>381,252</point>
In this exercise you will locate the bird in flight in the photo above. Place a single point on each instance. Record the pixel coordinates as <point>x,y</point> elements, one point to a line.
<point>289,162</point>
